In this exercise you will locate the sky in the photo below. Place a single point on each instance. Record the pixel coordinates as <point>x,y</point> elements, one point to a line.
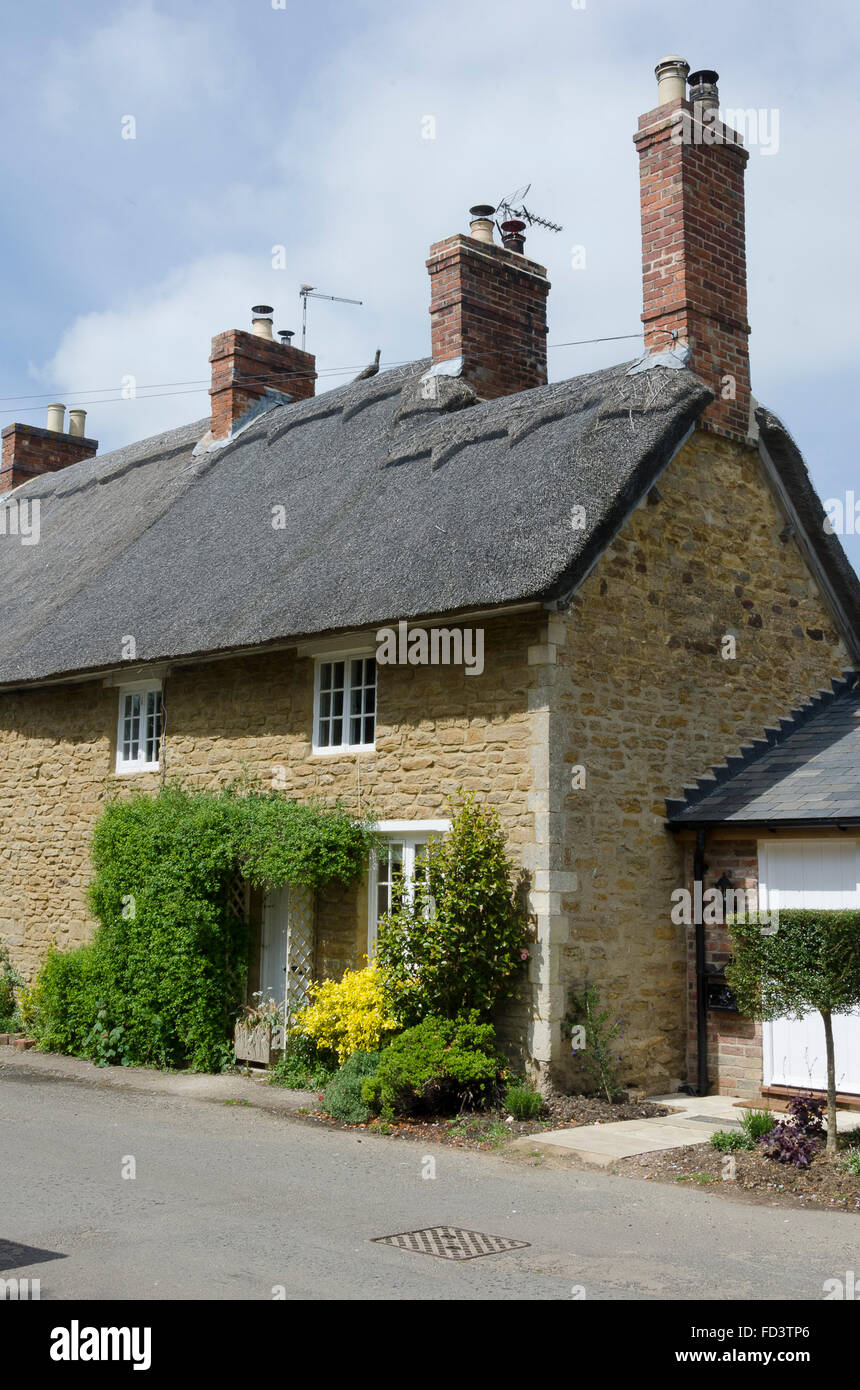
<point>156,156</point>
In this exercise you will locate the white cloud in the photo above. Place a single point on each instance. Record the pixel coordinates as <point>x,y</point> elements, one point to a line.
<point>337,170</point>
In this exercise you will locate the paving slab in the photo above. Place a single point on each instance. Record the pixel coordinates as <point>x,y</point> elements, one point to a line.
<point>693,1120</point>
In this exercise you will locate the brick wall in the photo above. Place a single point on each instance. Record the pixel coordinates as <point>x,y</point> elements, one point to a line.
<point>245,366</point>
<point>29,451</point>
<point>694,254</point>
<point>734,1042</point>
<point>488,306</point>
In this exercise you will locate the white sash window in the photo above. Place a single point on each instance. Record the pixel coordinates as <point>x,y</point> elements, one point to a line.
<point>141,715</point>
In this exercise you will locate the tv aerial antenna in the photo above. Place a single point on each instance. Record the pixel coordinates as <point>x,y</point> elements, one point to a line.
<point>307,292</point>
<point>515,207</point>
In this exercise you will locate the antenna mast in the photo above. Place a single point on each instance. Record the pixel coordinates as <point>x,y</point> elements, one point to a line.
<point>307,292</point>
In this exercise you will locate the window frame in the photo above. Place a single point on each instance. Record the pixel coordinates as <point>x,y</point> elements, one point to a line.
<point>126,767</point>
<point>411,835</point>
<point>347,657</point>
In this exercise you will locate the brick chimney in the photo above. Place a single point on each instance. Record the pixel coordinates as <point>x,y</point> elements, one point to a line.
<point>488,309</point>
<point>29,451</point>
<point>245,366</point>
<point>693,243</point>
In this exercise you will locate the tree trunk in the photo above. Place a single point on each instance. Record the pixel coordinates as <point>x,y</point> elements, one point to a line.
<point>831,1083</point>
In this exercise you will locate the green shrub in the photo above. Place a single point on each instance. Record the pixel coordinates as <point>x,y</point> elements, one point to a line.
<point>441,1065</point>
<point>165,974</point>
<point>10,983</point>
<point>302,1066</point>
<point>809,960</point>
<point>523,1102</point>
<point>729,1140</point>
<point>597,1061</point>
<point>344,1094</point>
<point>757,1123</point>
<point>850,1162</point>
<point>65,1001</point>
<point>458,944</point>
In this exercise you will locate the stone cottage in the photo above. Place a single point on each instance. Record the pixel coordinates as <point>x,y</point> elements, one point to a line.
<point>623,578</point>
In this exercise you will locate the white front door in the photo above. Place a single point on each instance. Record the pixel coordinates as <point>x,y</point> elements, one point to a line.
<point>810,873</point>
<point>274,943</point>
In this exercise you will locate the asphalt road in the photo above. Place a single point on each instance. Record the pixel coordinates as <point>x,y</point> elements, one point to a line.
<point>230,1202</point>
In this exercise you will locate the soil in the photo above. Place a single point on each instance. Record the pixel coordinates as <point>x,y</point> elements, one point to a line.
<point>757,1178</point>
<point>492,1129</point>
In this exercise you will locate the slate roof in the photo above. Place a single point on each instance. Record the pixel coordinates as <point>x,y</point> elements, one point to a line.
<point>396,507</point>
<point>805,772</point>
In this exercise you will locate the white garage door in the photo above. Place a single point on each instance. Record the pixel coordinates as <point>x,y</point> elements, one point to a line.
<point>810,873</point>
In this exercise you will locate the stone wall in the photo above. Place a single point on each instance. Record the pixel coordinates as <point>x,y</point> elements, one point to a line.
<point>439,730</point>
<point>647,704</point>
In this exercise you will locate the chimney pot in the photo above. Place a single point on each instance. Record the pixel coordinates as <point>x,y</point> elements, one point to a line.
<point>77,423</point>
<point>671,75</point>
<point>512,235</point>
<point>261,324</point>
<point>286,335</point>
<point>703,89</point>
<point>57,418</point>
<point>481,226</point>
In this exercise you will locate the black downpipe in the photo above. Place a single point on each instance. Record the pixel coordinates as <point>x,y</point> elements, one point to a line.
<point>699,867</point>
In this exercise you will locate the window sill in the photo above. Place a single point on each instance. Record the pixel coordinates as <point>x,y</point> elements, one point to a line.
<point>344,749</point>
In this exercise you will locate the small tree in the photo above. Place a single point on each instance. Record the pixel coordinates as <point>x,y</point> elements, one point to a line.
<point>810,961</point>
<point>456,942</point>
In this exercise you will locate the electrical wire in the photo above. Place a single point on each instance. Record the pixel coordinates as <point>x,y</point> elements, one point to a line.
<point>199,385</point>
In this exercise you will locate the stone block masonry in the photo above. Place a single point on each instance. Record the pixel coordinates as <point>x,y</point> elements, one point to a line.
<point>647,704</point>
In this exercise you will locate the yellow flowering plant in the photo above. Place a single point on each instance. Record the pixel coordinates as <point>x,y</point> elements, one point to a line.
<point>347,1015</point>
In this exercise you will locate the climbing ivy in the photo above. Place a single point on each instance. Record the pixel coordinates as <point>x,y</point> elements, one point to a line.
<point>165,973</point>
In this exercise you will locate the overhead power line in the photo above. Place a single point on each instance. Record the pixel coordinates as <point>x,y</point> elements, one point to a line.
<point>200,385</point>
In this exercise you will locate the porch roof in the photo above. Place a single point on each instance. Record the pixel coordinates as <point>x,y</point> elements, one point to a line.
<point>805,771</point>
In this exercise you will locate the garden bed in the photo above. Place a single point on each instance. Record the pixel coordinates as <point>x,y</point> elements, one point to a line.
<point>492,1129</point>
<point>757,1177</point>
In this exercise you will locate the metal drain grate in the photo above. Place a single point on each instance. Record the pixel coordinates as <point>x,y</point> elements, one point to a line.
<point>451,1243</point>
